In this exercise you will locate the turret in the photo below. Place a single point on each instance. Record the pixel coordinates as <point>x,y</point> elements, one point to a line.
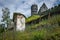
<point>34,9</point>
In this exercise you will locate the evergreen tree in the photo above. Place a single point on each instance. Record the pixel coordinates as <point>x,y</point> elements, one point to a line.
<point>6,16</point>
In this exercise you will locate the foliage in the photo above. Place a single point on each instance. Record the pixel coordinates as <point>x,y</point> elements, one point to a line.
<point>1,29</point>
<point>6,16</point>
<point>42,34</point>
<point>34,17</point>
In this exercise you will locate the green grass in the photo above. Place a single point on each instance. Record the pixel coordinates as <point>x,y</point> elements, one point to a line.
<point>51,21</point>
<point>31,18</point>
<point>42,34</point>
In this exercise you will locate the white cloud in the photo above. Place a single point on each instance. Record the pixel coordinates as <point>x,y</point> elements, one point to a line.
<point>53,0</point>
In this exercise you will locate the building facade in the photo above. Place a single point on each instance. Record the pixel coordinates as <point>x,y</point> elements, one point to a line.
<point>19,21</point>
<point>34,9</point>
<point>42,8</point>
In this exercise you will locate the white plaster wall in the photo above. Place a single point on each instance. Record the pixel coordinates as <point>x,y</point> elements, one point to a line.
<point>20,24</point>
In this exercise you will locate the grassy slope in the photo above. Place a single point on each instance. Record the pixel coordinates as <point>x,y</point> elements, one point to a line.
<point>52,20</point>
<point>42,34</point>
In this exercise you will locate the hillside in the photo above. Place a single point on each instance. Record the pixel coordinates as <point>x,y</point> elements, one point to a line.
<point>51,21</point>
<point>48,29</point>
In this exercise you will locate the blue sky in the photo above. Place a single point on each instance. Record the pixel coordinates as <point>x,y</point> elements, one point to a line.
<point>23,6</point>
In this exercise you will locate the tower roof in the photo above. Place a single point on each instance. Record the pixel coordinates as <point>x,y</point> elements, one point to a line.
<point>15,15</point>
<point>34,4</point>
<point>43,8</point>
<point>44,5</point>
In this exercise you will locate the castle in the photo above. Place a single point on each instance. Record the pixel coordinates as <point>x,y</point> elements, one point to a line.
<point>19,19</point>
<point>34,9</point>
<point>35,14</point>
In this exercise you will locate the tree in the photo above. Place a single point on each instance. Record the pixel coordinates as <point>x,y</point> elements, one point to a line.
<point>1,28</point>
<point>6,16</point>
<point>58,4</point>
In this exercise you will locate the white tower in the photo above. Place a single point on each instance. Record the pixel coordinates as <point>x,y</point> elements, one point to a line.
<point>19,21</point>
